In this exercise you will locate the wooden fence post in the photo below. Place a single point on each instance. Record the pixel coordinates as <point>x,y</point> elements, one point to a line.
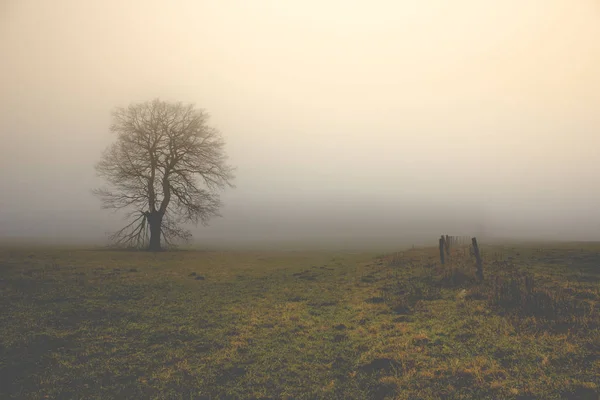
<point>478,259</point>
<point>442,249</point>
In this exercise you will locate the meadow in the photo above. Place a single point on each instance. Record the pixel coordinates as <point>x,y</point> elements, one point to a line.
<point>101,324</point>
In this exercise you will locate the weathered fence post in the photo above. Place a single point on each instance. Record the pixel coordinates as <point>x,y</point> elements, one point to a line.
<point>442,249</point>
<point>478,259</point>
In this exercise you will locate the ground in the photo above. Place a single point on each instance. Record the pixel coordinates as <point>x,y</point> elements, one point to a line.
<point>98,324</point>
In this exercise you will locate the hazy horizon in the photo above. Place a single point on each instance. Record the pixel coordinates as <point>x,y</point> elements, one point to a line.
<point>347,121</point>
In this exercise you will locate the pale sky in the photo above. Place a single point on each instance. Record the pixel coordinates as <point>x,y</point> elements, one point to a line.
<point>345,119</point>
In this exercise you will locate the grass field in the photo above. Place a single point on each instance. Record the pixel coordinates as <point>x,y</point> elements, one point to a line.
<point>97,324</point>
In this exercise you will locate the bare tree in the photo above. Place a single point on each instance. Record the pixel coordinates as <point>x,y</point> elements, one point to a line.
<point>166,168</point>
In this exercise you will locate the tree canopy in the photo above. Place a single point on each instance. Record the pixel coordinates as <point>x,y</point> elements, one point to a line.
<point>166,168</point>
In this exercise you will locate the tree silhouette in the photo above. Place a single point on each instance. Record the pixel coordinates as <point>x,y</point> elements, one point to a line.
<point>166,168</point>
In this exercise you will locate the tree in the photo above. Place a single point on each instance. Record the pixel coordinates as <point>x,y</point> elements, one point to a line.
<point>166,168</point>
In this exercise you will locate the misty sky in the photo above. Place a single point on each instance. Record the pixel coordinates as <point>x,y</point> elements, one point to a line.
<point>344,118</point>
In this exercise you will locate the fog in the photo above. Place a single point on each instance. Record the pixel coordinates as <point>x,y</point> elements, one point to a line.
<point>349,122</point>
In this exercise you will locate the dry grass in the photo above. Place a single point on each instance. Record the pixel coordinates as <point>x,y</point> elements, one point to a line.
<point>199,325</point>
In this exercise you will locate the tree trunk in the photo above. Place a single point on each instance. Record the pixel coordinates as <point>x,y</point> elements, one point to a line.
<point>155,221</point>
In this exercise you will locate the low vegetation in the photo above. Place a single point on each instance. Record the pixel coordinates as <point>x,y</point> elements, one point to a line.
<point>99,324</point>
